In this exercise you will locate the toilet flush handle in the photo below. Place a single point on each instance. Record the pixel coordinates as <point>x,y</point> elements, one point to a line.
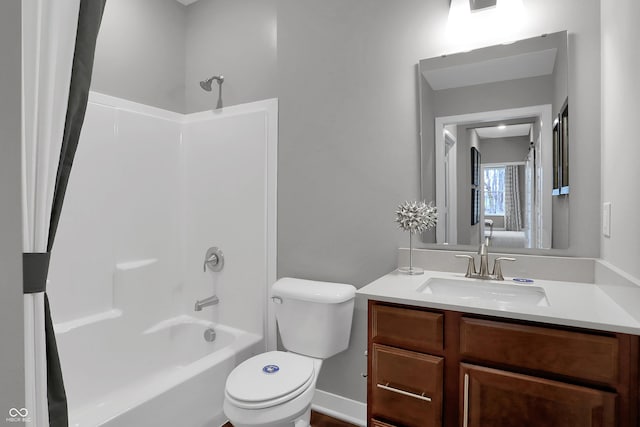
<point>276,300</point>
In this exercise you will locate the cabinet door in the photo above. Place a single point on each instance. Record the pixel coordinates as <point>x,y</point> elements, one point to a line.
<point>406,387</point>
<point>498,398</point>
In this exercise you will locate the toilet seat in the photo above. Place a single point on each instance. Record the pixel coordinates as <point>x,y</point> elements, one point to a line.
<point>269,379</point>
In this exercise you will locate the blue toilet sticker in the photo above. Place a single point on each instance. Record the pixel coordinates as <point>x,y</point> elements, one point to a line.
<point>270,369</point>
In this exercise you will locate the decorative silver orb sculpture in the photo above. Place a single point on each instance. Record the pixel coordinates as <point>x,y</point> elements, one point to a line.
<point>415,217</point>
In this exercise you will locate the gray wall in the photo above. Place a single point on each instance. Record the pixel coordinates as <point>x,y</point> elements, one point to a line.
<point>348,146</point>
<point>157,51</point>
<point>140,53</point>
<point>11,299</point>
<point>560,217</point>
<point>620,108</point>
<point>428,150</point>
<point>501,150</point>
<point>560,76</point>
<point>235,38</point>
<point>494,96</point>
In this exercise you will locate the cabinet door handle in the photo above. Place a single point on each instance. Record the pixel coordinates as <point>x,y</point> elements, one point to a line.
<point>404,393</point>
<point>465,422</point>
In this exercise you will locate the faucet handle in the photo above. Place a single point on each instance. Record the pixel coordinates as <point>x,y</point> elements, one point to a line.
<point>471,266</point>
<point>214,259</point>
<point>497,266</point>
<point>211,260</point>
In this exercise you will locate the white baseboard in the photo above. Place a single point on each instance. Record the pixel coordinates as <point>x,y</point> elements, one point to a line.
<point>339,407</point>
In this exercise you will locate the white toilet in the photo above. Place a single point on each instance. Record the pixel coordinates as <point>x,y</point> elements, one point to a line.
<point>275,389</point>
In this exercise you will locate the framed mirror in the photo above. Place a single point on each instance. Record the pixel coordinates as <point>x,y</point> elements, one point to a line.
<point>494,138</point>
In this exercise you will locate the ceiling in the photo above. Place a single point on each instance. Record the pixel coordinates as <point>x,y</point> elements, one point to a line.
<point>504,132</point>
<point>530,64</point>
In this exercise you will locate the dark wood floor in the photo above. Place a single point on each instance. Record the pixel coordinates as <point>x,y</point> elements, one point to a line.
<point>320,420</point>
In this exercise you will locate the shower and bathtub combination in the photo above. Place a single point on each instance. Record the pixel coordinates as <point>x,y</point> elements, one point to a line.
<point>150,192</point>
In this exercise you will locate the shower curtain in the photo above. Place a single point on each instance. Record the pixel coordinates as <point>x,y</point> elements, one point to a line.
<point>512,210</point>
<point>58,44</point>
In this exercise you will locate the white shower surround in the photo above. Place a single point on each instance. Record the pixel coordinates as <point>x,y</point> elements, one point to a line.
<point>151,190</point>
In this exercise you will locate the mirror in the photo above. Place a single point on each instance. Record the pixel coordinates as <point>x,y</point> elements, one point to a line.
<point>494,140</point>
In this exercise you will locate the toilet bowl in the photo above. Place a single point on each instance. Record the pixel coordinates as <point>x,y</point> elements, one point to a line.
<point>275,389</point>
<point>272,389</point>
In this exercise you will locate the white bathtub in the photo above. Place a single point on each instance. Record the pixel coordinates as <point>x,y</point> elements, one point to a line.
<point>163,376</point>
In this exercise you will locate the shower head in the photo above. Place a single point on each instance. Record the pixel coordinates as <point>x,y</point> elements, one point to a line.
<point>206,84</point>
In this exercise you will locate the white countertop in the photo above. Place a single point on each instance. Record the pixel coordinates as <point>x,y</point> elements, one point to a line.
<point>584,305</point>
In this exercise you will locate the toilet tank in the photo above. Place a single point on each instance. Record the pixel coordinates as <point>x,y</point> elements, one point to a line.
<point>314,318</point>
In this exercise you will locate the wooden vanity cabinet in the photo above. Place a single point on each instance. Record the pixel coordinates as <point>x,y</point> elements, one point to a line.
<point>444,368</point>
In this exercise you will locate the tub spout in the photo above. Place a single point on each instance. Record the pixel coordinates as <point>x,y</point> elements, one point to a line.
<point>200,304</point>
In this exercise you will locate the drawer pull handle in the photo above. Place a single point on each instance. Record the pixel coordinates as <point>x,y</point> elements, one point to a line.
<point>404,393</point>
<point>466,401</point>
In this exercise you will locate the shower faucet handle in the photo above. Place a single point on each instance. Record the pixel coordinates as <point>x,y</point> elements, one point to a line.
<point>214,259</point>
<point>211,260</point>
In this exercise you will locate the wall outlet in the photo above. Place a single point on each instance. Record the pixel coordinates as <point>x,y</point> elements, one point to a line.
<point>606,219</point>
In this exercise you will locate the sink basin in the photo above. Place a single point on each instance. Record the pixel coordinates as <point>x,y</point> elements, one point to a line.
<point>502,294</point>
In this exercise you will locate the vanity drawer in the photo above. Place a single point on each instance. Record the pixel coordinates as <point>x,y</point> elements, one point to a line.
<point>413,329</point>
<point>406,387</point>
<point>574,354</point>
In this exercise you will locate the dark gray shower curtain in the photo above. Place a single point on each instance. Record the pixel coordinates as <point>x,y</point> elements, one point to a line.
<point>35,266</point>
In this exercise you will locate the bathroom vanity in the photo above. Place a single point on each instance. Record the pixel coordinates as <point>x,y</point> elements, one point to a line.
<point>447,359</point>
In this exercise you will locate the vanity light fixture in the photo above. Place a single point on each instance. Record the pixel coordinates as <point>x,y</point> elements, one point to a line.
<point>477,5</point>
<point>502,127</point>
<point>476,23</point>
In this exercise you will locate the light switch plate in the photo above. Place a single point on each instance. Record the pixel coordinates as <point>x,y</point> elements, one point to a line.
<point>606,219</point>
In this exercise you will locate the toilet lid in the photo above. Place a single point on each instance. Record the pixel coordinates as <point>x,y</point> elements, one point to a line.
<point>269,376</point>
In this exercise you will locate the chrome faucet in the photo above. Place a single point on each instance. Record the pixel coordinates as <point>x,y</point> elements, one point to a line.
<point>200,304</point>
<point>483,251</point>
